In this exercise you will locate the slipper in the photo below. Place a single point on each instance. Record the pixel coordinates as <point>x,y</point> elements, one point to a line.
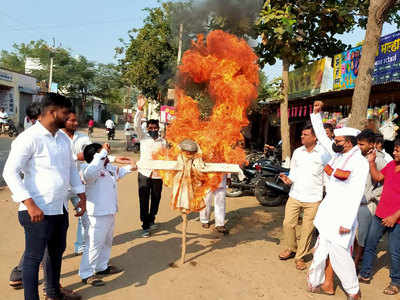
<point>320,291</point>
<point>205,225</point>
<point>364,280</point>
<point>16,284</point>
<point>391,289</point>
<point>287,254</point>
<point>110,270</point>
<point>94,281</point>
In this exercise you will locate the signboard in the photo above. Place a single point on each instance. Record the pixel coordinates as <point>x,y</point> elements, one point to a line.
<point>345,69</point>
<point>167,113</point>
<point>311,79</point>
<point>6,76</point>
<point>387,62</point>
<point>54,87</point>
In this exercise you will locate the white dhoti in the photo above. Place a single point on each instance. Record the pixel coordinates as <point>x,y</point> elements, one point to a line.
<point>342,264</point>
<point>99,239</point>
<point>219,205</point>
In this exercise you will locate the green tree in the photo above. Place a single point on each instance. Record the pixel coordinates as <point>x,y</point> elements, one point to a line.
<point>293,31</point>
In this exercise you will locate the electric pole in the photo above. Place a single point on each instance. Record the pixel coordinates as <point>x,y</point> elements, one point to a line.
<point>51,64</point>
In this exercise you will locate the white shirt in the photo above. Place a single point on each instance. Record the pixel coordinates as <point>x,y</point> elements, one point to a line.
<point>101,185</point>
<point>388,158</point>
<point>78,143</point>
<point>127,128</point>
<point>343,197</point>
<point>48,166</point>
<point>3,117</point>
<point>306,173</point>
<point>27,123</point>
<point>148,146</point>
<point>110,124</point>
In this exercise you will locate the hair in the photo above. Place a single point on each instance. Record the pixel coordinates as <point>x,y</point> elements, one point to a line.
<point>352,139</point>
<point>154,122</point>
<point>90,151</point>
<point>53,99</point>
<point>2,108</point>
<point>328,126</point>
<point>308,126</point>
<point>397,142</point>
<point>367,135</point>
<point>379,139</point>
<point>72,111</point>
<point>33,110</point>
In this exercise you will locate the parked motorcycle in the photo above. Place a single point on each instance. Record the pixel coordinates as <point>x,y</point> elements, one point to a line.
<point>110,133</point>
<point>262,179</point>
<point>10,128</point>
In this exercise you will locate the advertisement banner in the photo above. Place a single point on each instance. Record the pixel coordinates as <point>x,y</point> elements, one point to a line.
<point>345,69</point>
<point>387,62</point>
<point>311,79</point>
<point>167,113</point>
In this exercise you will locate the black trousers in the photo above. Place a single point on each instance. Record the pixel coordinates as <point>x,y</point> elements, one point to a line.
<point>51,232</point>
<point>149,188</point>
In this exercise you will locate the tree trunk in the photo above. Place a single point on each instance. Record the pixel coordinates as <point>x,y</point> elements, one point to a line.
<point>376,15</point>
<point>285,129</point>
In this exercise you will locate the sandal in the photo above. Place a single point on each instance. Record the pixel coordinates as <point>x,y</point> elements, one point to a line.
<point>365,280</point>
<point>16,284</point>
<point>110,270</point>
<point>391,289</point>
<point>93,280</point>
<point>222,229</point>
<point>287,254</point>
<point>205,225</point>
<point>320,291</point>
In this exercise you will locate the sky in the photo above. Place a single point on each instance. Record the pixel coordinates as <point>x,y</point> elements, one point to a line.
<point>92,27</point>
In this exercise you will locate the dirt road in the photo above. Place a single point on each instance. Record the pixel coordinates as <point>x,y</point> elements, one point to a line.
<point>243,265</point>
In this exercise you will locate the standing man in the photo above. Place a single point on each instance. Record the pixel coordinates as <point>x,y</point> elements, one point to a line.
<point>336,218</point>
<point>43,155</point>
<point>379,142</point>
<point>128,134</point>
<point>306,180</point>
<point>3,119</point>
<point>150,182</point>
<point>78,142</point>
<point>32,114</point>
<point>110,126</point>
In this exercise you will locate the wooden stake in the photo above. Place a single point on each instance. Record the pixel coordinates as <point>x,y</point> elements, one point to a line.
<point>184,226</point>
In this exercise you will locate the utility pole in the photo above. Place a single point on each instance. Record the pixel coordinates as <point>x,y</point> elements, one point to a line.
<point>51,64</point>
<point>180,44</point>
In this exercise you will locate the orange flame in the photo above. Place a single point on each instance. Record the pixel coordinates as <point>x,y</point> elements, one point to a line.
<point>226,65</point>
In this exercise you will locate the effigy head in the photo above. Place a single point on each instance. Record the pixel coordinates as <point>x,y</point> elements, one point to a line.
<point>189,147</point>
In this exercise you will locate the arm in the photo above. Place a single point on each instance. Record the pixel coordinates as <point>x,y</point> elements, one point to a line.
<point>292,173</point>
<point>77,188</point>
<point>92,171</point>
<point>376,175</point>
<point>320,133</point>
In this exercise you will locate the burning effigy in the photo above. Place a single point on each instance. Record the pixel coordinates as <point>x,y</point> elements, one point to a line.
<point>226,67</point>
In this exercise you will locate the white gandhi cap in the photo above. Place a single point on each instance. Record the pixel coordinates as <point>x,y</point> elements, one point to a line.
<point>346,131</point>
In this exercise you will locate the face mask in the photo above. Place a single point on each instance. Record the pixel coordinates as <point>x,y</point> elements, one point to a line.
<point>153,133</point>
<point>337,148</point>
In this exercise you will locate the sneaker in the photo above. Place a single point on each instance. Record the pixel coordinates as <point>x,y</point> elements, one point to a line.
<point>154,226</point>
<point>146,233</point>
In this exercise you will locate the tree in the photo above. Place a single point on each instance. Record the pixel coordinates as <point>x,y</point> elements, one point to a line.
<point>293,31</point>
<point>379,11</point>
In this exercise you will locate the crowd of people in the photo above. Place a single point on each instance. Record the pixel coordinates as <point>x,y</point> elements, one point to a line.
<point>341,180</point>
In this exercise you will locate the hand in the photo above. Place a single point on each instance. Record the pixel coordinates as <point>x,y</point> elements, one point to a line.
<point>371,157</point>
<point>390,221</point>
<point>107,147</point>
<point>81,206</point>
<point>318,107</point>
<point>285,179</point>
<point>141,102</point>
<point>123,160</point>
<point>343,230</point>
<point>34,211</point>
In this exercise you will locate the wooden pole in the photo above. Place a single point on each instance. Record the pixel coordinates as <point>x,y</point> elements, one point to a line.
<point>184,226</point>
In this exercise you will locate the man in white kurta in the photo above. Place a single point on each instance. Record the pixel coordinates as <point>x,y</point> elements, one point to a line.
<point>336,219</point>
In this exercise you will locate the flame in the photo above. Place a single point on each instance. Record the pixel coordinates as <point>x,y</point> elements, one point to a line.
<point>226,66</point>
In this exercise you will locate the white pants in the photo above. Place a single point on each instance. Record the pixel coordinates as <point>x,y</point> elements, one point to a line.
<point>219,207</point>
<point>98,245</point>
<point>342,264</point>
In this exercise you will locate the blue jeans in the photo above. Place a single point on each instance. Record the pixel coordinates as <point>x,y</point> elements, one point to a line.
<point>79,244</point>
<point>50,232</point>
<point>375,233</point>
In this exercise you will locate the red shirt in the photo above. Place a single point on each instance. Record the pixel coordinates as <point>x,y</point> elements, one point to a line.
<point>390,199</point>
<point>91,123</point>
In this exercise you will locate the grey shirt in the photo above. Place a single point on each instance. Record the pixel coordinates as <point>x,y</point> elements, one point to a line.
<point>373,190</point>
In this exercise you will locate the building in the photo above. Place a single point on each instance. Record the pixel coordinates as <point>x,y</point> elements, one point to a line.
<point>94,108</point>
<point>16,93</point>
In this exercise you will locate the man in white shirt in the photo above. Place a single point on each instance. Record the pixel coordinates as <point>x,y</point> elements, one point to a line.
<point>306,178</point>
<point>32,114</point>
<point>110,124</point>
<point>43,155</point>
<point>78,142</point>
<point>379,142</point>
<point>150,182</point>
<point>3,119</point>
<point>336,218</point>
<point>128,134</point>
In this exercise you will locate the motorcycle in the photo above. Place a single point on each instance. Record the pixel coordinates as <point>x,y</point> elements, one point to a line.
<point>261,179</point>
<point>110,133</point>
<point>10,128</point>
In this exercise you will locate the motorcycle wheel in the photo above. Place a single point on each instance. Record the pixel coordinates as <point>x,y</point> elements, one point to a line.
<point>266,197</point>
<point>234,192</point>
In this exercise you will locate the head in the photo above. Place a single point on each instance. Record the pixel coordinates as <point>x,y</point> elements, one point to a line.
<point>343,144</point>
<point>71,124</point>
<point>55,109</point>
<point>90,151</point>
<point>308,138</point>
<point>1,109</point>
<point>372,124</point>
<point>329,130</point>
<point>379,141</point>
<point>153,127</point>
<point>33,111</point>
<point>366,141</point>
<point>396,151</point>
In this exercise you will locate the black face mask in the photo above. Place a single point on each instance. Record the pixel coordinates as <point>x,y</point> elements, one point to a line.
<point>337,148</point>
<point>153,134</point>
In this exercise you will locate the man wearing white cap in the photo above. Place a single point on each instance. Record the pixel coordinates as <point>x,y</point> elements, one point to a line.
<point>336,219</point>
